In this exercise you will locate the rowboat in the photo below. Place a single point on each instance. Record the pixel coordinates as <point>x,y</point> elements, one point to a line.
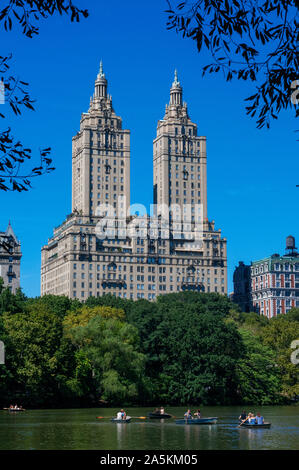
<point>253,426</point>
<point>197,421</point>
<point>126,420</point>
<point>158,415</point>
<point>14,410</point>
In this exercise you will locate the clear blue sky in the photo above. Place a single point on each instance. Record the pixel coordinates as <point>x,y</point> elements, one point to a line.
<point>251,173</point>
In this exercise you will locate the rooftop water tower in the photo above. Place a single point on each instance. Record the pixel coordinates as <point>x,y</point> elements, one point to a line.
<point>290,246</point>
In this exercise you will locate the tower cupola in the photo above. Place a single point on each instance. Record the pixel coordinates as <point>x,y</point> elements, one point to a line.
<point>101,84</point>
<point>176,92</point>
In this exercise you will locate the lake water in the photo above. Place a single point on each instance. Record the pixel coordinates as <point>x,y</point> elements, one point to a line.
<point>79,429</point>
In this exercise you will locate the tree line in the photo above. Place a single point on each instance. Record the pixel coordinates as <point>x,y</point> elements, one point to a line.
<point>185,348</point>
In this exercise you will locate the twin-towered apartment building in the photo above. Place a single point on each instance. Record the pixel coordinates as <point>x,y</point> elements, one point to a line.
<point>101,247</point>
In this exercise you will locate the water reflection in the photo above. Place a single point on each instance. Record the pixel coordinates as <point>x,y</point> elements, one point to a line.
<point>79,429</point>
<point>121,429</point>
<point>253,438</point>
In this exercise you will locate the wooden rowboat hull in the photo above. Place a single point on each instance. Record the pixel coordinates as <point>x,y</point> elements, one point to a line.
<point>158,416</point>
<point>122,421</point>
<point>197,421</point>
<point>257,426</point>
<point>12,411</point>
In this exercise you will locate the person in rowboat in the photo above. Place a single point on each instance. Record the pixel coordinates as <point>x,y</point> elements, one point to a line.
<point>251,418</point>
<point>188,415</point>
<point>197,414</point>
<point>243,416</point>
<point>162,411</point>
<point>123,414</point>
<point>259,419</point>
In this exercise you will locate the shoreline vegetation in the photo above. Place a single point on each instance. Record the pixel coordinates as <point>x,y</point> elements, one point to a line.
<point>184,349</point>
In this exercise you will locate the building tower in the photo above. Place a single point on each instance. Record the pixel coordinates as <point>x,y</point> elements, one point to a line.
<point>180,182</point>
<point>275,282</point>
<point>179,156</point>
<point>10,259</point>
<point>101,155</point>
<point>242,287</point>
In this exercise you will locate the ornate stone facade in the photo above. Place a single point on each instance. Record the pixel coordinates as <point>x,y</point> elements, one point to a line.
<point>10,259</point>
<point>78,263</point>
<point>269,286</point>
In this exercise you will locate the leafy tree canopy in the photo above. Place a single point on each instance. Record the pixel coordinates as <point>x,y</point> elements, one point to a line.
<point>10,302</point>
<point>111,346</point>
<point>257,372</point>
<point>293,314</point>
<point>182,349</point>
<point>32,340</point>
<point>255,41</point>
<point>14,175</point>
<point>83,315</point>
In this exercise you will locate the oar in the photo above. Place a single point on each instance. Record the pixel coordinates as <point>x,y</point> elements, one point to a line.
<point>243,421</point>
<point>109,417</point>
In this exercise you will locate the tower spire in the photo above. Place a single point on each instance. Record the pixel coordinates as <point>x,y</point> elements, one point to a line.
<point>176,91</point>
<point>176,82</point>
<point>101,84</point>
<point>9,231</point>
<point>101,74</point>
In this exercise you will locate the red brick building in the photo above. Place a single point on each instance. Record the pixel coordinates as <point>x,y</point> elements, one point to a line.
<point>275,282</point>
<point>269,286</point>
